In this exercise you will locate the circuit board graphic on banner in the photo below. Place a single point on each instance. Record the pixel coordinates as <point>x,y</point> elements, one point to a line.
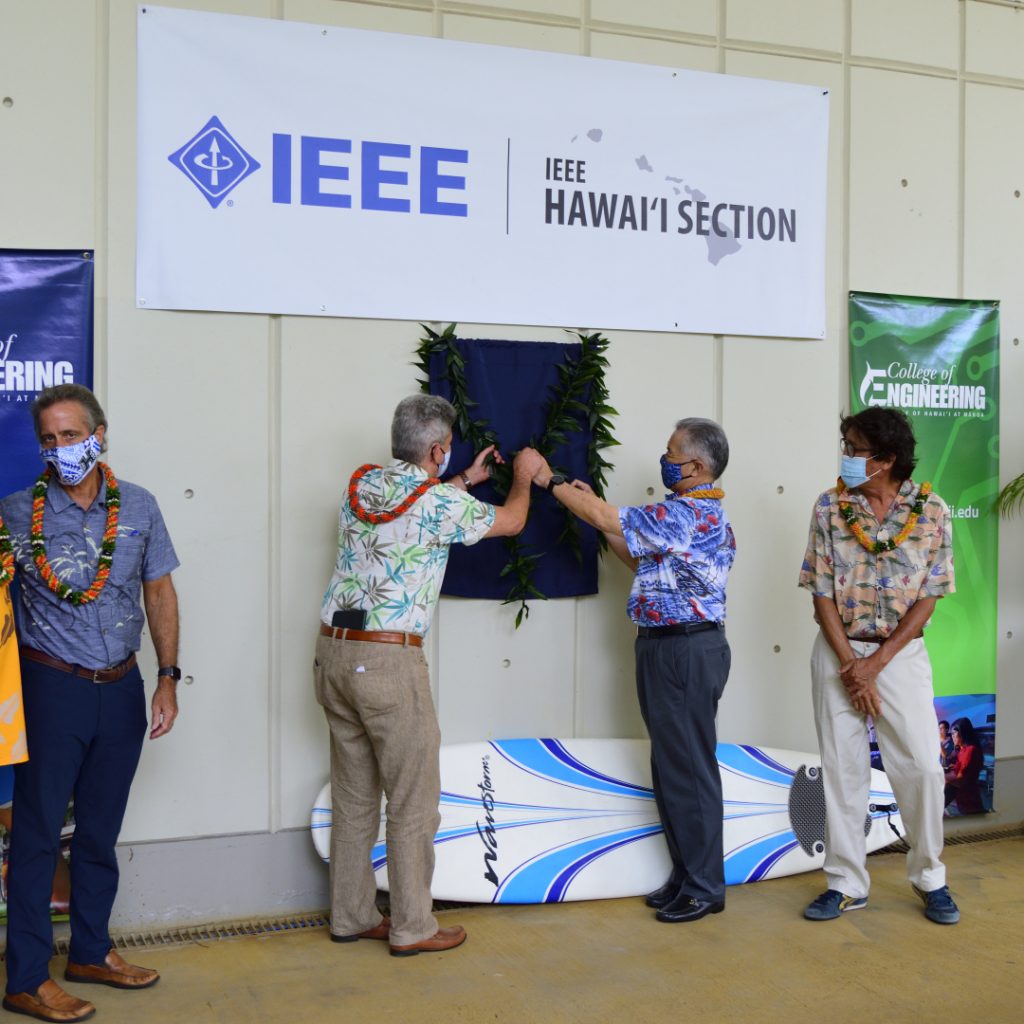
<point>673,200</point>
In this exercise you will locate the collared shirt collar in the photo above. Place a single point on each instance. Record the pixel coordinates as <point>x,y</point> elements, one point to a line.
<point>907,488</point>
<point>408,468</point>
<point>59,500</point>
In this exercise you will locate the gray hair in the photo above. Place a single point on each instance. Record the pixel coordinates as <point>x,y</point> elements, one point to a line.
<point>94,414</point>
<point>420,421</point>
<point>707,440</point>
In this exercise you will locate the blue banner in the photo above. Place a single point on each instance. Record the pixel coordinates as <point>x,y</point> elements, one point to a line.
<point>46,315</point>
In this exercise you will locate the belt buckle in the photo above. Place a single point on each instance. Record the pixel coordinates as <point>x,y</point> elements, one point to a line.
<point>96,675</point>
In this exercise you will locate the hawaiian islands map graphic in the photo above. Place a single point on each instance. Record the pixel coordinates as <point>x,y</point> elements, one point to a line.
<point>719,246</point>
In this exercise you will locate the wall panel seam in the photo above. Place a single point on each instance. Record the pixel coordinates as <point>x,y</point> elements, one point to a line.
<point>511,14</point>
<point>275,617</point>
<point>654,34</point>
<point>781,50</point>
<point>961,196</point>
<point>101,196</point>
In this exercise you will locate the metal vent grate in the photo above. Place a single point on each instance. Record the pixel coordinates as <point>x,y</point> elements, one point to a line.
<point>1006,832</point>
<point>205,933</point>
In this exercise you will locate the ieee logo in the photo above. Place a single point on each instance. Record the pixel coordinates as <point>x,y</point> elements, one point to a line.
<point>214,161</point>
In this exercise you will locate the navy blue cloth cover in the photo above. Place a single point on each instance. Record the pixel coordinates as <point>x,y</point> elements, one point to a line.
<point>514,383</point>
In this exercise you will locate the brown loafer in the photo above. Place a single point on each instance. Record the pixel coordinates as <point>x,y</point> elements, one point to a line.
<point>442,939</point>
<point>49,1002</point>
<point>113,972</point>
<point>379,931</point>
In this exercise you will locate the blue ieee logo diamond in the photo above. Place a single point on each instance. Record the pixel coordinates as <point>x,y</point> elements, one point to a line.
<point>214,161</point>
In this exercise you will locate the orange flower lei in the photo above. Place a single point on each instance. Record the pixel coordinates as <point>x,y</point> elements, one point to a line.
<point>38,541</point>
<point>384,517</point>
<point>6,555</point>
<point>876,547</point>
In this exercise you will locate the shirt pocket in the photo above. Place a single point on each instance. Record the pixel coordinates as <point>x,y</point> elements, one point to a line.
<point>129,551</point>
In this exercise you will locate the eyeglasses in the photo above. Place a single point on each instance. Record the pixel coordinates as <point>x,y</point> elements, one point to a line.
<point>849,448</point>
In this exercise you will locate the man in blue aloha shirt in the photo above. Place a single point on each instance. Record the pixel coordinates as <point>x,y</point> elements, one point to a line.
<point>91,553</point>
<point>681,550</point>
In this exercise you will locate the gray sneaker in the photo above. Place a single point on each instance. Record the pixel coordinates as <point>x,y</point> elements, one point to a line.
<point>938,905</point>
<point>831,903</point>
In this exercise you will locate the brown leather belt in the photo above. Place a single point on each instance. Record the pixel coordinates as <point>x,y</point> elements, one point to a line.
<point>880,639</point>
<point>99,675</point>
<point>374,637</point>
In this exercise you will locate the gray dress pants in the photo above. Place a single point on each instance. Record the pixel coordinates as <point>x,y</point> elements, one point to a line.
<point>679,681</point>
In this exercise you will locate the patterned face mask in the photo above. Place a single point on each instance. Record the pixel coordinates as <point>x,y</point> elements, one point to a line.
<point>672,472</point>
<point>74,462</point>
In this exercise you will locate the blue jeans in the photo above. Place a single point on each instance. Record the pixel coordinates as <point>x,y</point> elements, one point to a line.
<point>84,738</point>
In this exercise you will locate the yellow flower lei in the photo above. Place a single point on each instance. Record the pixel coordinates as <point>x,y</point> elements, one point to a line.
<point>703,492</point>
<point>876,547</point>
<point>6,555</point>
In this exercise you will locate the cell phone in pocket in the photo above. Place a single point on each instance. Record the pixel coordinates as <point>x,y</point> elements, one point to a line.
<point>349,618</point>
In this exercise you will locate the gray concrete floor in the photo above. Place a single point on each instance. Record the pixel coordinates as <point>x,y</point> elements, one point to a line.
<point>611,961</point>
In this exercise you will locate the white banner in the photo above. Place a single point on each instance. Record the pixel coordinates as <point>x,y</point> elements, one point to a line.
<point>291,168</point>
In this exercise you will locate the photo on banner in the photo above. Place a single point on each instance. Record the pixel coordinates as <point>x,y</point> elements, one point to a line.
<point>937,360</point>
<point>46,338</point>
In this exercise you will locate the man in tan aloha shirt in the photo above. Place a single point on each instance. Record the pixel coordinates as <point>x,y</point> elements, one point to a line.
<point>395,529</point>
<point>878,557</point>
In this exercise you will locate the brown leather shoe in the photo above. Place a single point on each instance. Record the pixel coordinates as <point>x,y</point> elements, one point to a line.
<point>442,939</point>
<point>113,972</point>
<point>379,931</point>
<point>49,1002</point>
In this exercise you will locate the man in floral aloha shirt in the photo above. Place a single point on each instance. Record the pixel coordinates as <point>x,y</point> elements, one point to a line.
<point>878,557</point>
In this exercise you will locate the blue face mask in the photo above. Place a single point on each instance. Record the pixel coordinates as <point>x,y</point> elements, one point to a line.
<point>672,472</point>
<point>444,463</point>
<point>854,470</point>
<point>74,462</point>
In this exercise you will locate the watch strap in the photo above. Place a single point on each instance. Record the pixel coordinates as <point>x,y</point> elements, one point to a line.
<point>172,671</point>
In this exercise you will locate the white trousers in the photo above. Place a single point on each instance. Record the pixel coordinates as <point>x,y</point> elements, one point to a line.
<point>907,739</point>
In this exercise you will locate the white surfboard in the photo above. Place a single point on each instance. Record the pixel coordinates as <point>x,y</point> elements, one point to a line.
<point>547,820</point>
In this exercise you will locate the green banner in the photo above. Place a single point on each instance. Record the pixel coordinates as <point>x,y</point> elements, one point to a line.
<point>938,361</point>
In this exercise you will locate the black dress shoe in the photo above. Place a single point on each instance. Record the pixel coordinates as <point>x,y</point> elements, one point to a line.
<point>685,908</point>
<point>662,897</point>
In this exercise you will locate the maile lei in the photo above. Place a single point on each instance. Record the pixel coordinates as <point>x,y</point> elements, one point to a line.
<point>38,541</point>
<point>580,400</point>
<point>876,547</point>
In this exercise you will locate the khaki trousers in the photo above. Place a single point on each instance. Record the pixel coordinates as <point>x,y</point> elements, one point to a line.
<point>906,732</point>
<point>384,739</point>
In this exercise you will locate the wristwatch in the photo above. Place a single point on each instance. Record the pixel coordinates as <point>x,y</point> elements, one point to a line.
<point>556,479</point>
<point>170,670</point>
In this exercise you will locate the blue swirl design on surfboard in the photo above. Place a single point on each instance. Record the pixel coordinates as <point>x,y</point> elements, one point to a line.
<point>606,815</point>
